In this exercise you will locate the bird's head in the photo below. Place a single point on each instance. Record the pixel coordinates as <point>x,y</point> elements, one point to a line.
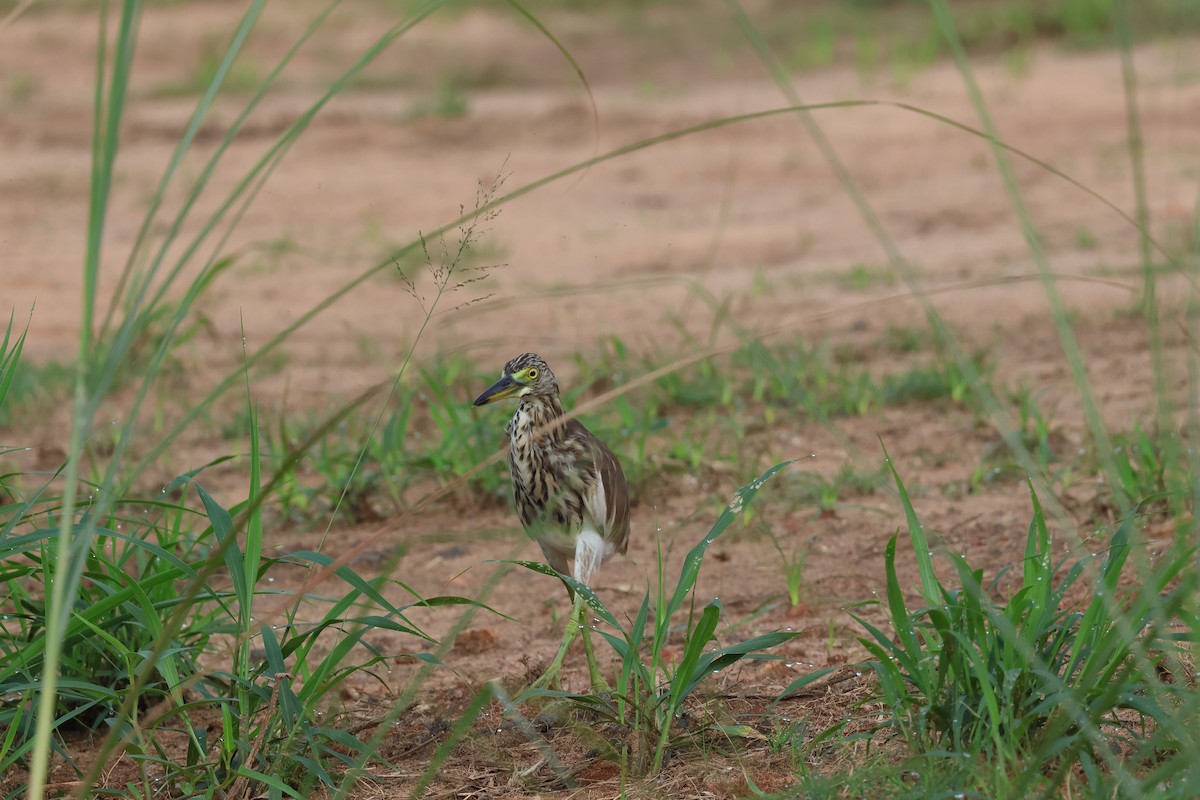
<point>525,375</point>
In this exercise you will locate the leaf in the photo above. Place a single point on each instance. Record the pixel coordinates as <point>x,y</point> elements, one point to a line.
<point>916,532</point>
<point>803,681</point>
<point>695,556</point>
<point>687,676</point>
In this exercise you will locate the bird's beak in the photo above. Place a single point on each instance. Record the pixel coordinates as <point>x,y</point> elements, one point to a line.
<point>505,387</point>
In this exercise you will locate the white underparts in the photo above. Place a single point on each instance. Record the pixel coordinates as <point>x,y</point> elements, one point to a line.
<point>590,552</point>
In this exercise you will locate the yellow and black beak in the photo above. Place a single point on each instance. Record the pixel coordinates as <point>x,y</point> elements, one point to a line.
<point>501,389</point>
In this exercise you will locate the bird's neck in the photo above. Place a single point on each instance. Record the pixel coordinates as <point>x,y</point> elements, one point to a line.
<point>536,417</point>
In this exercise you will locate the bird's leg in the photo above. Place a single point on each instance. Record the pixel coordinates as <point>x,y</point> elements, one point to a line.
<point>551,677</point>
<point>599,685</point>
<point>589,555</point>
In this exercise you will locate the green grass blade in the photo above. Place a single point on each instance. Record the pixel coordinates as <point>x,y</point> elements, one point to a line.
<point>1096,427</point>
<point>106,126</point>
<point>686,678</point>
<point>930,588</point>
<point>695,556</point>
<point>10,357</point>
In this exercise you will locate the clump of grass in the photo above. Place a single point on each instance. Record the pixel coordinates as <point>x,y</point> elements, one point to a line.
<point>791,563</point>
<point>242,77</point>
<point>30,387</point>
<point>1035,436</point>
<point>448,102</point>
<point>827,493</point>
<point>861,277</point>
<point>1057,677</point>
<point>147,611</point>
<point>426,436</point>
<point>1154,471</point>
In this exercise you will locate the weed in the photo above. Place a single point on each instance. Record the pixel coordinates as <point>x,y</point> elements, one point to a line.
<point>1036,436</point>
<point>243,77</point>
<point>31,387</point>
<point>905,339</point>
<point>1085,239</point>
<point>448,102</point>
<point>861,277</point>
<point>19,89</point>
<point>792,563</point>
<point>827,493</point>
<point>1153,470</point>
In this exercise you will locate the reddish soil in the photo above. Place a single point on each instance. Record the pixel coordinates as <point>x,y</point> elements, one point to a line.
<point>750,214</point>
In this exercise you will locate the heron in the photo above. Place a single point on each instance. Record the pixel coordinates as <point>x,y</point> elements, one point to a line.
<point>569,488</point>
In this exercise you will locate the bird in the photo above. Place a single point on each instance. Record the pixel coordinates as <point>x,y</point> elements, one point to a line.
<point>569,489</point>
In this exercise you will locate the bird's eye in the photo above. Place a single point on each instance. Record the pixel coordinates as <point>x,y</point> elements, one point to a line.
<point>532,373</point>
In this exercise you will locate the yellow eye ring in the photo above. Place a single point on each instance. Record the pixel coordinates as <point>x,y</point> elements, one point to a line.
<point>532,373</point>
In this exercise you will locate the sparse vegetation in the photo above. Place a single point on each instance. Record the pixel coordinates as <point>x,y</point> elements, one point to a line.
<point>257,627</point>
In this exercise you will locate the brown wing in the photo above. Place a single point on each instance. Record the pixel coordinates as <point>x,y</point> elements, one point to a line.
<point>609,502</point>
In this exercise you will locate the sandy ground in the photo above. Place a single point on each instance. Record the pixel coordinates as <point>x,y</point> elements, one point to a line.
<point>750,213</point>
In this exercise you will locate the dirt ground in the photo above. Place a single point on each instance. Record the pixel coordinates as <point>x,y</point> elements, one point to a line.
<point>750,213</point>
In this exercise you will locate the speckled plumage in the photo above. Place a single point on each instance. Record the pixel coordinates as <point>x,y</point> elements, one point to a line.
<point>566,483</point>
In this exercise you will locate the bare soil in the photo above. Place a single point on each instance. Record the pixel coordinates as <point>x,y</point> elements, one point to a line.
<point>749,214</point>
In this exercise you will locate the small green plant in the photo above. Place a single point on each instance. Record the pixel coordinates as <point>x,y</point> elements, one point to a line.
<point>905,338</point>
<point>792,563</point>
<point>1152,470</point>
<point>826,493</point>
<point>31,386</point>
<point>1037,437</point>
<point>19,89</point>
<point>242,77</point>
<point>861,277</point>
<point>449,102</point>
